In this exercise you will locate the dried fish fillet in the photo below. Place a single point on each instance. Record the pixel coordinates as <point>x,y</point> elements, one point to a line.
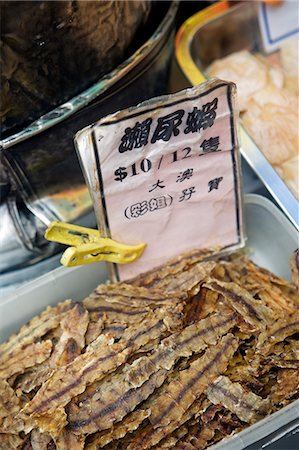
<point>246,405</point>
<point>72,339</point>
<point>32,354</point>
<point>130,296</point>
<point>10,441</point>
<point>35,329</point>
<point>112,408</point>
<point>252,310</point>
<point>130,423</point>
<point>165,276</point>
<point>277,332</point>
<point>67,440</point>
<point>137,381</point>
<point>9,407</point>
<point>190,383</point>
<point>100,358</point>
<point>39,441</point>
<point>287,386</point>
<point>33,378</point>
<point>95,327</point>
<point>150,436</point>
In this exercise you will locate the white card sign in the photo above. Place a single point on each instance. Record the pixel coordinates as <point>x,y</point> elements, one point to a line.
<point>167,173</point>
<point>278,22</point>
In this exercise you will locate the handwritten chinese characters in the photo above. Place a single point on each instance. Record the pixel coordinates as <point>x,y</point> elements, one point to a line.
<point>168,126</point>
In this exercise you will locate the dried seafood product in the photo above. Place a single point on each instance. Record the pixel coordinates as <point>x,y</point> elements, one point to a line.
<point>247,406</point>
<point>252,310</point>
<point>33,378</point>
<point>170,276</point>
<point>67,440</point>
<point>101,357</point>
<point>198,352</point>
<point>9,407</point>
<point>130,296</point>
<point>137,381</point>
<point>32,354</point>
<point>39,441</point>
<point>111,406</point>
<point>10,441</point>
<point>190,383</point>
<point>150,436</point>
<point>268,104</point>
<point>72,339</point>
<point>68,344</point>
<point>130,423</point>
<point>287,386</point>
<point>277,332</point>
<point>35,329</point>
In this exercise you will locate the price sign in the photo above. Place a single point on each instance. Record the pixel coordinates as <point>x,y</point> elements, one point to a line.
<point>278,22</point>
<point>167,173</point>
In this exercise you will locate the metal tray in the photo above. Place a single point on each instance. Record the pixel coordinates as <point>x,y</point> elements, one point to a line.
<point>216,32</point>
<point>271,240</point>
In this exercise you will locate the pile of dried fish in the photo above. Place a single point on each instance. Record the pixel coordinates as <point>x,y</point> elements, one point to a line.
<point>180,358</point>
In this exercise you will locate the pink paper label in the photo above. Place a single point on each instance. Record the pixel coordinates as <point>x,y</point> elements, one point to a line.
<point>169,175</point>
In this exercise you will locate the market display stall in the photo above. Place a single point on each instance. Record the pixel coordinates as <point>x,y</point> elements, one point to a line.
<point>187,337</point>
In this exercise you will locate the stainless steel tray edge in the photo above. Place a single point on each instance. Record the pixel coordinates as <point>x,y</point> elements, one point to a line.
<point>260,429</point>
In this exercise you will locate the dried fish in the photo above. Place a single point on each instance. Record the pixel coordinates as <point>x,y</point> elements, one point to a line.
<point>149,436</point>
<point>39,441</point>
<point>246,405</point>
<point>164,276</point>
<point>32,354</point>
<point>35,329</point>
<point>190,383</point>
<point>10,441</point>
<point>277,332</point>
<point>286,387</point>
<point>252,310</point>
<point>67,440</point>
<point>137,381</point>
<point>100,358</point>
<point>130,423</point>
<point>72,339</point>
<point>111,405</point>
<point>9,407</point>
<point>131,296</point>
<point>95,327</point>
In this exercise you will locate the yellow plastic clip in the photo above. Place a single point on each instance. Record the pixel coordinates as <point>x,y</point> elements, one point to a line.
<point>87,246</point>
